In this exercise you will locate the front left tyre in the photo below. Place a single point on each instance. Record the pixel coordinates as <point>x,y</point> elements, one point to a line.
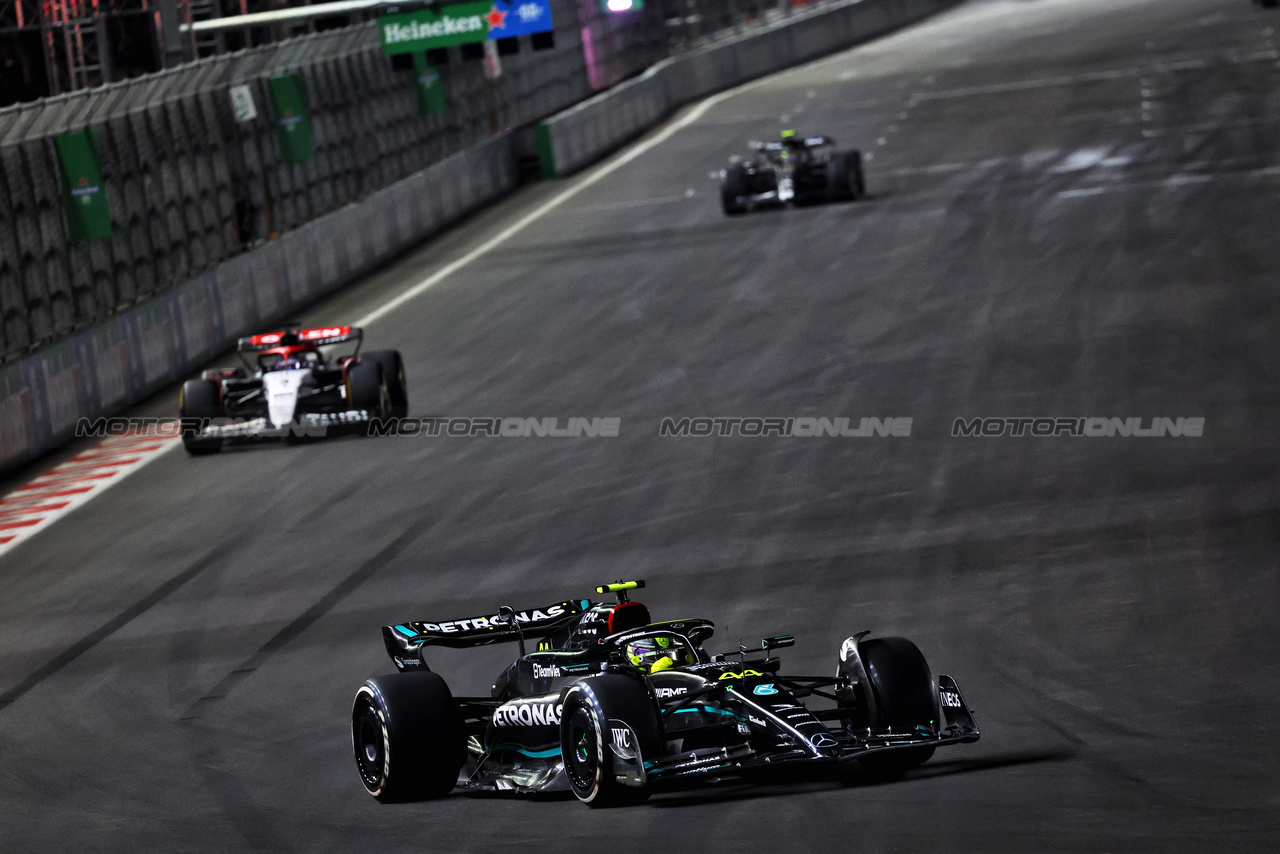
<point>595,714</point>
<point>408,737</point>
<point>733,190</point>
<point>199,402</point>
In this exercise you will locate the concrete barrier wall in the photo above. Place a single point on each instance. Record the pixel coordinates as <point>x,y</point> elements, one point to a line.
<point>586,132</point>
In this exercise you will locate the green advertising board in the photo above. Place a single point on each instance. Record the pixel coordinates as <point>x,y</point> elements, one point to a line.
<point>430,85</point>
<point>293,122</point>
<point>463,23</point>
<point>85,199</point>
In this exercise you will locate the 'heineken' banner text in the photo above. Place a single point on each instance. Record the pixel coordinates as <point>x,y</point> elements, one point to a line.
<point>464,23</point>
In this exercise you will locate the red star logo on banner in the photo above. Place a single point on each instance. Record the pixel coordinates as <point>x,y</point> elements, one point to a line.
<point>497,20</point>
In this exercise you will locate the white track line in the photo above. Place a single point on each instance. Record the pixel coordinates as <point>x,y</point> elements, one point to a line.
<point>539,212</point>
<point>51,496</point>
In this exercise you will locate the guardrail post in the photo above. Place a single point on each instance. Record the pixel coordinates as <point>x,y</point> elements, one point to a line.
<point>170,34</point>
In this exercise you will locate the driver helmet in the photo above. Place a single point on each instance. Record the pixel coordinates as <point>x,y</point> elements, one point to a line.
<point>657,653</point>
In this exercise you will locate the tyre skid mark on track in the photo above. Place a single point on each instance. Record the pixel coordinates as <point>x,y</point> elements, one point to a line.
<point>137,609</point>
<point>28,509</point>
<point>1087,753</point>
<point>301,623</point>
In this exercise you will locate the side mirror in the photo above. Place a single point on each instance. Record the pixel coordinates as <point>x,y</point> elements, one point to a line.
<point>770,643</point>
<point>700,634</point>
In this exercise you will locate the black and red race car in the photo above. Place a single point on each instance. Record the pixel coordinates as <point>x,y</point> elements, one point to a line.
<point>297,386</point>
<point>612,706</point>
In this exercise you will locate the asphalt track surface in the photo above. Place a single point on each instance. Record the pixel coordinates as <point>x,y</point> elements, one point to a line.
<point>1072,214</point>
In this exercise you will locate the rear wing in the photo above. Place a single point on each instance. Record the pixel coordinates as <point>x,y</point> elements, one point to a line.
<point>319,337</point>
<point>405,641</point>
<point>793,143</point>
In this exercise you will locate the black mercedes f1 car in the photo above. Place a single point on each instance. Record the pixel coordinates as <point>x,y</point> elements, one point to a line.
<point>613,706</point>
<point>296,387</point>
<point>794,170</point>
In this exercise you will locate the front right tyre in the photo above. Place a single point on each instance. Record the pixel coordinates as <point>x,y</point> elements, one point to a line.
<point>844,176</point>
<point>733,190</point>
<point>905,699</point>
<point>393,372</point>
<point>199,402</point>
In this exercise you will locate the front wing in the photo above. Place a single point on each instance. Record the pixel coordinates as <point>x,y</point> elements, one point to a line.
<point>819,744</point>
<point>309,425</point>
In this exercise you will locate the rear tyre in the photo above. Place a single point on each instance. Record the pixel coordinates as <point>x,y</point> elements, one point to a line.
<point>393,372</point>
<point>367,388</point>
<point>585,737</point>
<point>844,176</point>
<point>733,190</point>
<point>408,737</point>
<point>198,403</point>
<point>905,699</point>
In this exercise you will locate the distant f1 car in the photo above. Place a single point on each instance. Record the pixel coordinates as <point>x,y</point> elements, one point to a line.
<point>613,706</point>
<point>295,388</point>
<point>794,170</point>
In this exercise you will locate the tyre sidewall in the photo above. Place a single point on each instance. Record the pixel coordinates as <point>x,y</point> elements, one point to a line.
<point>905,691</point>
<point>393,373</point>
<point>732,188</point>
<point>605,698</point>
<point>423,739</point>
<point>200,399</point>
<point>842,176</point>
<point>906,697</point>
<point>365,385</point>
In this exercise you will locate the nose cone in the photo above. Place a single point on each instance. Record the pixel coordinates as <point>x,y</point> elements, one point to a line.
<point>282,388</point>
